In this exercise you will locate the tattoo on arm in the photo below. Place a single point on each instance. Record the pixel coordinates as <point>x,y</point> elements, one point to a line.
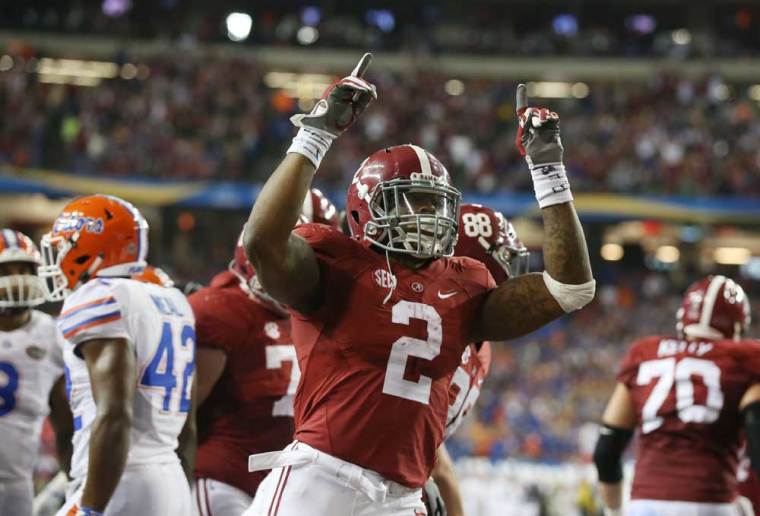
<point>524,304</point>
<point>517,307</point>
<point>565,253</point>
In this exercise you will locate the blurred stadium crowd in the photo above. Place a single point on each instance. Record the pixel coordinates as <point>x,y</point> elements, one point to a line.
<point>199,120</point>
<point>712,29</point>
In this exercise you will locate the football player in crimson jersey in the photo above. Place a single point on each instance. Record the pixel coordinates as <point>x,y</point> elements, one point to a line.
<point>247,376</point>
<point>380,319</point>
<point>690,397</point>
<point>487,236</point>
<point>32,383</point>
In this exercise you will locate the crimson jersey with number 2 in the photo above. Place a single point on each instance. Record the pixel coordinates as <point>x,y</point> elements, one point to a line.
<point>375,378</point>
<point>686,395</point>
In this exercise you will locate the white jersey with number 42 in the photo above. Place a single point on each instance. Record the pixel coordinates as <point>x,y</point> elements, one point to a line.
<point>30,363</point>
<point>159,326</point>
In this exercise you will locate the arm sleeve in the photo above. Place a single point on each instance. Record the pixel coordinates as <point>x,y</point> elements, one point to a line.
<point>94,311</point>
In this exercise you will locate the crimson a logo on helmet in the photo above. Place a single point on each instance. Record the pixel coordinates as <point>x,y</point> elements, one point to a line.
<point>384,278</point>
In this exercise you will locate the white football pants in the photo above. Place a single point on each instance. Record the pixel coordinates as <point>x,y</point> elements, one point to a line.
<point>671,508</point>
<point>16,497</point>
<point>214,498</point>
<point>144,490</point>
<point>304,481</point>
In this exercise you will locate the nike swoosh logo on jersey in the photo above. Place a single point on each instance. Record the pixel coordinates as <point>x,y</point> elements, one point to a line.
<point>447,294</point>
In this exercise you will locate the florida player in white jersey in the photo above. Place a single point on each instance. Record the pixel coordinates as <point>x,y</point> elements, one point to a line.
<point>129,359</point>
<point>31,374</point>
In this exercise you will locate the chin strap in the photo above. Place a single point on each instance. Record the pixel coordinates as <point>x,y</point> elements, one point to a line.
<point>393,278</point>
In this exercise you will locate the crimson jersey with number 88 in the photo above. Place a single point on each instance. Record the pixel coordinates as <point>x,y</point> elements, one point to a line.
<point>686,395</point>
<point>374,389</point>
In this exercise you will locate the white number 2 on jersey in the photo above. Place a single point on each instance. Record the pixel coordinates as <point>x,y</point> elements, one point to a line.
<point>276,356</point>
<point>669,372</point>
<point>395,384</point>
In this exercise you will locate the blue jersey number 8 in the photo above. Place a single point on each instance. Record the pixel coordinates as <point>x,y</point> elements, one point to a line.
<point>8,391</point>
<point>166,379</point>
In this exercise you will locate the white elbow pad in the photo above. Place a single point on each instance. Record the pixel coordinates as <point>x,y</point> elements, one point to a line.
<point>570,297</point>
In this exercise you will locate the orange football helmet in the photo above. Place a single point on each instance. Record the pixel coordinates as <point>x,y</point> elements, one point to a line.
<point>151,274</point>
<point>19,290</point>
<point>95,235</point>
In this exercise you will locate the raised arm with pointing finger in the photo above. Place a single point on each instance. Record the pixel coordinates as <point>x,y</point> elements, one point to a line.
<point>527,302</point>
<point>284,262</point>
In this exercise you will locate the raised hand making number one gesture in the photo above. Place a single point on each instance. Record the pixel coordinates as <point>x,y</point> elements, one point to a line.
<point>538,140</point>
<point>340,106</point>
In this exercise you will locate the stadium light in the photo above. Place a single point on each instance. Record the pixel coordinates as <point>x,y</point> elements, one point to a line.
<point>612,252</point>
<point>641,23</point>
<point>6,63</point>
<point>238,26</point>
<point>667,254</point>
<point>681,37</point>
<point>754,92</point>
<point>731,255</point>
<point>558,90</point>
<point>311,16</point>
<point>565,25</point>
<point>307,35</point>
<point>383,19</point>
<point>454,87</point>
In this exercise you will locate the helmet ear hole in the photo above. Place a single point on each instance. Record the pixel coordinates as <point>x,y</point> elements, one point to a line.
<point>82,259</point>
<point>355,215</point>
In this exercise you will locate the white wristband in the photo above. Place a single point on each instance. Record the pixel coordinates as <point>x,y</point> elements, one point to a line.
<point>312,144</point>
<point>550,184</point>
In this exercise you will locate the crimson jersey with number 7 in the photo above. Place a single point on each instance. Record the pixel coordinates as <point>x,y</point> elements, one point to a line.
<point>686,394</point>
<point>250,408</point>
<point>376,372</point>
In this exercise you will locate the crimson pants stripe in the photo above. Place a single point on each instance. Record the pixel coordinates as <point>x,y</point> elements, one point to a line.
<point>282,490</point>
<point>276,489</point>
<point>198,497</point>
<point>208,504</point>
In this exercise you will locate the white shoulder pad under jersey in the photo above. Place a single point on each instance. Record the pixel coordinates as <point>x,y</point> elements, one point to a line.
<point>158,324</point>
<point>31,361</point>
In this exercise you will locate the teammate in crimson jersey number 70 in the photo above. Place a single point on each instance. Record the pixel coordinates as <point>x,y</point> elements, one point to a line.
<point>688,396</point>
<point>380,319</point>
<point>247,376</point>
